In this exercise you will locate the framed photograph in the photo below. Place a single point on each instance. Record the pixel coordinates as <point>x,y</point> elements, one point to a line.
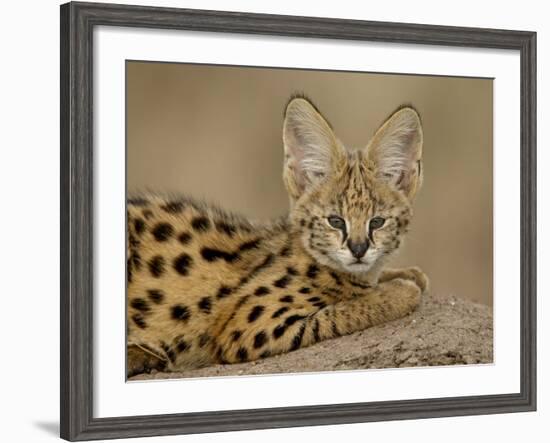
<point>274,221</point>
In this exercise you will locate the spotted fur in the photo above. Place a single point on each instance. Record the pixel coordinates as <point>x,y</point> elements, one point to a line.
<point>206,286</point>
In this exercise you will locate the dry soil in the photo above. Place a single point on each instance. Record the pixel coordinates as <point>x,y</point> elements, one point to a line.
<point>443,331</point>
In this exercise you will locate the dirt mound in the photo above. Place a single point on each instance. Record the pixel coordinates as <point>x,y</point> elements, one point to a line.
<point>443,331</point>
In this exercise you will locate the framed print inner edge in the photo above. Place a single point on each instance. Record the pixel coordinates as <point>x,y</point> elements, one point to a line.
<point>113,45</point>
<point>77,23</point>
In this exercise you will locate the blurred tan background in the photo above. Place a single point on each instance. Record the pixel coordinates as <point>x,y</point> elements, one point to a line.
<point>214,132</point>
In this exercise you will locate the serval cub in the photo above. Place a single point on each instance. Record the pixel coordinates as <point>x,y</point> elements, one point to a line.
<point>206,287</point>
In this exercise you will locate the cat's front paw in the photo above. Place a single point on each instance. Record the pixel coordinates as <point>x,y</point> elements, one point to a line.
<point>414,274</point>
<point>403,293</point>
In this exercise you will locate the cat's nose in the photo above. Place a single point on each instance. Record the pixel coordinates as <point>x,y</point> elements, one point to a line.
<point>358,249</point>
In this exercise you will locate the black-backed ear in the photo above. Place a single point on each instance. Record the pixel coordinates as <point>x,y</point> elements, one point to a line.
<point>312,151</point>
<point>396,151</point>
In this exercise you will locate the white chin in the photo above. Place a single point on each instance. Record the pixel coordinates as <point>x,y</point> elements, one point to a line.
<point>358,267</point>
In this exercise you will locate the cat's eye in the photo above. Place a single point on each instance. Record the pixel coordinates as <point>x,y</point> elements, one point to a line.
<point>376,223</point>
<point>336,222</point>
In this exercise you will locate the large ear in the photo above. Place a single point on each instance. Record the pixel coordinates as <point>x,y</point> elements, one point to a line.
<point>396,151</point>
<point>312,151</point>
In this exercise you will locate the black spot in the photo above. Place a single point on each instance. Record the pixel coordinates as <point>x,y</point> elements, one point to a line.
<point>140,305</point>
<point>255,313</point>
<point>211,254</point>
<point>279,331</point>
<point>200,224</point>
<point>320,304</point>
<point>156,266</point>
<point>242,354</point>
<point>293,319</point>
<point>185,238</point>
<point>332,291</point>
<point>297,340</point>
<point>133,241</point>
<point>285,252</point>
<point>169,352</point>
<point>139,321</point>
<point>241,302</point>
<point>182,263</point>
<point>265,354</point>
<point>136,260</point>
<point>260,339</point>
<point>226,228</point>
<point>313,299</point>
<point>261,290</point>
<point>171,355</point>
<point>224,291</point>
<point>235,335</point>
<point>359,285</point>
<point>155,295</point>
<point>335,330</point>
<point>302,222</point>
<point>139,226</point>
<point>181,313</point>
<point>205,304</point>
<point>312,271</point>
<point>245,227</point>
<point>252,244</point>
<point>138,201</point>
<point>316,335</point>
<point>336,278</point>
<point>304,290</point>
<point>291,271</point>
<point>204,339</point>
<point>173,207</point>
<point>287,299</point>
<point>182,346</point>
<point>280,312</point>
<point>162,231</point>
<point>282,282</point>
<point>266,263</point>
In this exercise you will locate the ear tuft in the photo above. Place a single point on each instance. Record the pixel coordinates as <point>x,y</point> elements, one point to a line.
<point>311,148</point>
<point>396,150</point>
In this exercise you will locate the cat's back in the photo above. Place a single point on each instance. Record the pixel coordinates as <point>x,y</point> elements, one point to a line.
<point>174,242</point>
<point>185,259</point>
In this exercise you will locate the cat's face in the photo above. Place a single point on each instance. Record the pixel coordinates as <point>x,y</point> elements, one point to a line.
<point>350,222</point>
<point>351,209</point>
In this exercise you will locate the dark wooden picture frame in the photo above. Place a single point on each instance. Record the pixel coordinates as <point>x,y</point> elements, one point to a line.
<point>77,24</point>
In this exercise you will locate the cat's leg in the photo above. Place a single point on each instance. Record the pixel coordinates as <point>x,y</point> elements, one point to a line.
<point>298,328</point>
<point>413,273</point>
<point>389,301</point>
